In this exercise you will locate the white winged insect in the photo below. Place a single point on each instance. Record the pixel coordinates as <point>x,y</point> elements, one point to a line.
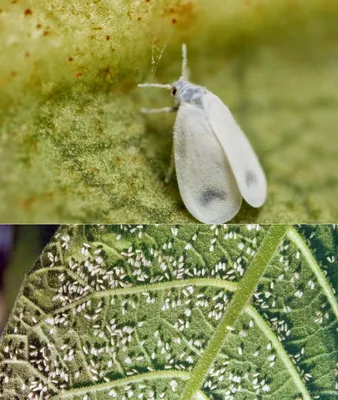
<point>215,163</point>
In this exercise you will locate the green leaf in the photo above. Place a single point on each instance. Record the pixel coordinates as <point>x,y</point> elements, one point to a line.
<point>75,147</point>
<point>190,312</point>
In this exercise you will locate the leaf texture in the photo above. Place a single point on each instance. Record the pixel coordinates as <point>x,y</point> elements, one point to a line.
<point>176,312</point>
<point>70,122</point>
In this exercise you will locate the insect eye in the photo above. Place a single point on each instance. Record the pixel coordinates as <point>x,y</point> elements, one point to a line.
<point>173,92</point>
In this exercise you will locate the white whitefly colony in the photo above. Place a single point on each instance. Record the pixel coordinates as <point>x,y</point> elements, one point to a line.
<point>127,312</point>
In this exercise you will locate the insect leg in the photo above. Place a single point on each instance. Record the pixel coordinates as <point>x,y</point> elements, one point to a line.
<point>159,110</point>
<point>156,85</point>
<point>171,166</point>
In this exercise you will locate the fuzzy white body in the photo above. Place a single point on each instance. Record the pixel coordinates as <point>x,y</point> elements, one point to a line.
<point>215,163</point>
<point>204,176</point>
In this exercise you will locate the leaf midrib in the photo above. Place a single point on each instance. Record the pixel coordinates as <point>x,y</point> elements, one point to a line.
<point>241,297</point>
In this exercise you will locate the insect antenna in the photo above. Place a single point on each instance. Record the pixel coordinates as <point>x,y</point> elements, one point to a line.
<point>185,69</point>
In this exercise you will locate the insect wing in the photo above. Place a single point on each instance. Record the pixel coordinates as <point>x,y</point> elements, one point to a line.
<point>206,182</point>
<point>244,163</point>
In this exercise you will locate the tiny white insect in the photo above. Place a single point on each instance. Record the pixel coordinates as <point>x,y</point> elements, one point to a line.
<point>215,163</point>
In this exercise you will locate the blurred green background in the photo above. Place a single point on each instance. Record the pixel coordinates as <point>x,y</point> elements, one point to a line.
<point>74,146</point>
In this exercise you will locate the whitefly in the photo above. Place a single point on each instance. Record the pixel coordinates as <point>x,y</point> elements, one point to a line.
<point>215,163</point>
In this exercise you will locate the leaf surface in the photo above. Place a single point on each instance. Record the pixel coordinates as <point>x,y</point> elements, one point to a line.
<point>74,146</point>
<point>176,312</point>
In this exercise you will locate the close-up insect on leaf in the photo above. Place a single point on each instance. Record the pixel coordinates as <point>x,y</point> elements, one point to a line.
<point>76,148</point>
<point>191,312</point>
